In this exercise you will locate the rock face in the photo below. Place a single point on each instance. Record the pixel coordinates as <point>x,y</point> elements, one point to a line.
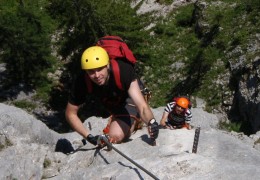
<point>246,105</point>
<point>29,150</point>
<point>240,84</point>
<point>243,99</point>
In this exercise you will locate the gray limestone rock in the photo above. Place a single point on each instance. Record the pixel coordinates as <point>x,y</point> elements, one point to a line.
<point>29,150</point>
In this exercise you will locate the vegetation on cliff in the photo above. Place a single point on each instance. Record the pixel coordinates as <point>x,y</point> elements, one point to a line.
<point>194,49</point>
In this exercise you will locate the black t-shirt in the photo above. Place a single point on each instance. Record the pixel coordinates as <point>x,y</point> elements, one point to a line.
<point>109,95</point>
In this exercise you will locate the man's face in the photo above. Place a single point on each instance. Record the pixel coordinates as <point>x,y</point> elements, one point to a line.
<point>99,75</point>
<point>179,109</point>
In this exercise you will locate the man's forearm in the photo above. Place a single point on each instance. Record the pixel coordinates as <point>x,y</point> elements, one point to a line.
<point>72,118</point>
<point>77,125</point>
<point>146,115</point>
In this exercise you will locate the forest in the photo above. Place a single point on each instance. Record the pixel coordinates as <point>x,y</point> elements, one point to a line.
<point>184,52</point>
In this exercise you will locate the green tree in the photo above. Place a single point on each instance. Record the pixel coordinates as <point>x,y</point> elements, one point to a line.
<point>25,31</point>
<point>82,22</point>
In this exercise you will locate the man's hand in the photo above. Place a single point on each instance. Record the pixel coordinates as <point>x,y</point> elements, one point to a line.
<point>92,139</point>
<point>153,129</point>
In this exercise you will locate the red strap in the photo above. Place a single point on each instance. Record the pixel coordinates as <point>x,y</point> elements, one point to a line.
<point>115,69</point>
<point>88,83</point>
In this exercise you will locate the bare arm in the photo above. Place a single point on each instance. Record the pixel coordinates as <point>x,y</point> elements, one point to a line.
<point>143,108</point>
<point>74,121</point>
<point>164,118</point>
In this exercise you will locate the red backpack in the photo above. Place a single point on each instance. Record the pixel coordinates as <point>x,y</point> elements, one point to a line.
<point>116,49</point>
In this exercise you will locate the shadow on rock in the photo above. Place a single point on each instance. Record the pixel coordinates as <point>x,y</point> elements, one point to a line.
<point>146,139</point>
<point>135,169</point>
<point>64,146</point>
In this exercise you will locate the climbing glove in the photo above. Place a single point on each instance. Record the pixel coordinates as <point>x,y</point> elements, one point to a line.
<point>92,139</point>
<point>153,129</point>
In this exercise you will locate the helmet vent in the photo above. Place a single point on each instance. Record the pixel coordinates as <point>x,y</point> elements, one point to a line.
<point>86,60</point>
<point>97,58</point>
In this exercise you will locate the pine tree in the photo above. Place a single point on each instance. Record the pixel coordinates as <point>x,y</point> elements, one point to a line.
<point>82,22</point>
<point>25,42</point>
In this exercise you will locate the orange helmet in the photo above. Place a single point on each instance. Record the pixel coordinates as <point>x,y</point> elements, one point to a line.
<point>183,102</point>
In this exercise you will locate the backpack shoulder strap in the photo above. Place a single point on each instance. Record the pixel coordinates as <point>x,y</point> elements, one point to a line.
<point>88,83</point>
<point>116,71</point>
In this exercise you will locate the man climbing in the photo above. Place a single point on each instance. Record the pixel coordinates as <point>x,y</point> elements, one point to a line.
<point>177,114</point>
<point>97,67</point>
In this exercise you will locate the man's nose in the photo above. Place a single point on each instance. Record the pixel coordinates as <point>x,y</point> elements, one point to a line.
<point>96,73</point>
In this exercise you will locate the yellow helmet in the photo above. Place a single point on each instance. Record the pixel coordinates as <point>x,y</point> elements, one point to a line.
<point>94,57</point>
